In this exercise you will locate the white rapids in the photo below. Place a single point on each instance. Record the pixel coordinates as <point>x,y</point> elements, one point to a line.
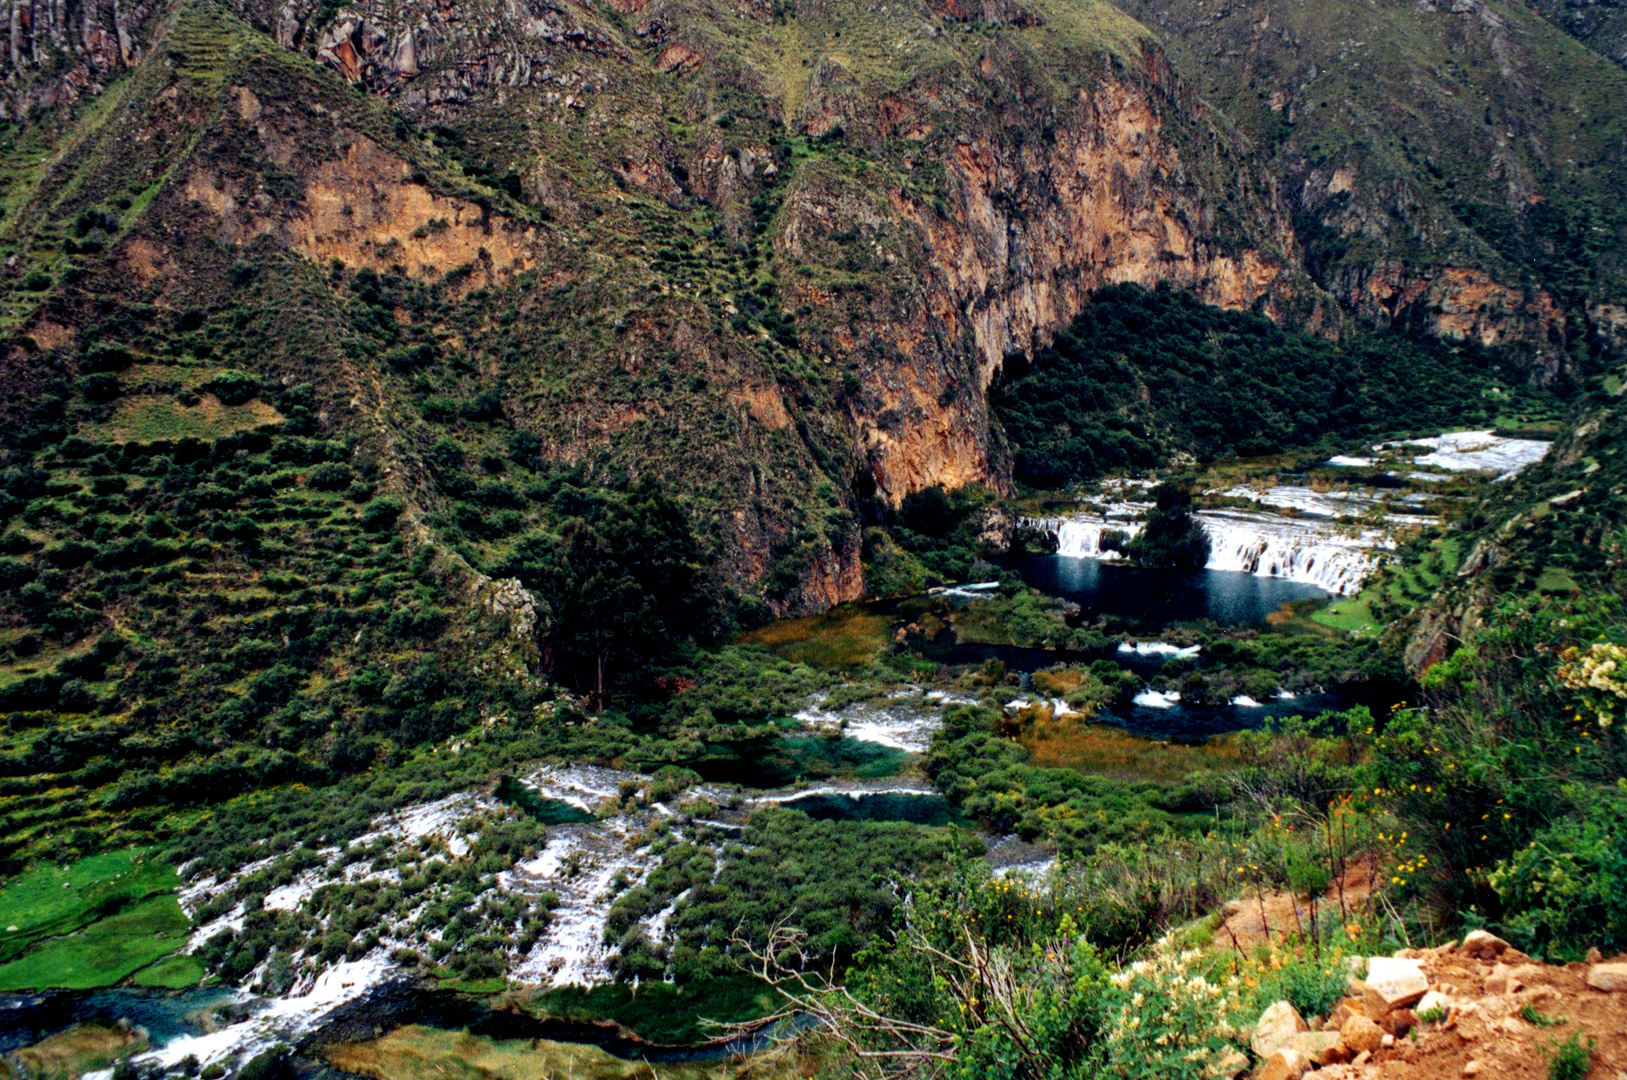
<point>283,1019</point>
<point>1455,451</point>
<point>1336,557</point>
<point>902,722</point>
<point>578,866</point>
<point>1480,451</point>
<point>1336,560</point>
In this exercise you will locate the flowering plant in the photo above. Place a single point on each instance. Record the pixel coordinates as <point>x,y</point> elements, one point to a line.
<point>1600,673</point>
<point>1169,1019</point>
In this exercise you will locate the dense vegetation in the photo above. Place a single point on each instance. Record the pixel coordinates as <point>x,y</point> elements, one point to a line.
<point>1493,797</point>
<point>1171,538</point>
<point>1142,376</point>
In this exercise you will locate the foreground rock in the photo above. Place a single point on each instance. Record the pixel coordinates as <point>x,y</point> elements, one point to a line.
<point>1481,1009</point>
<point>1608,977</point>
<point>1392,983</point>
<point>1277,1026</point>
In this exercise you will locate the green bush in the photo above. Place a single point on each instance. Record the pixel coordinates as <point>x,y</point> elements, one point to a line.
<point>1567,889</point>
<point>1570,1060</point>
<point>102,386</point>
<point>1312,988</point>
<point>380,515</point>
<point>330,476</point>
<point>233,387</point>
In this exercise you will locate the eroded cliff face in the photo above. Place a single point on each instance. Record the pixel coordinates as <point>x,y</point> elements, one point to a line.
<point>57,52</point>
<point>1026,231</point>
<point>774,254</point>
<point>1437,171</point>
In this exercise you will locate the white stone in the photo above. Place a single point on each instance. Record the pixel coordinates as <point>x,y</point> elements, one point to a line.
<point>1611,976</point>
<point>1391,983</point>
<point>1433,1000</point>
<point>1479,942</point>
<point>1277,1025</point>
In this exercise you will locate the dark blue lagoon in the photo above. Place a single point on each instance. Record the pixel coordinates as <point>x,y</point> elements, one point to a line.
<point>1160,597</point>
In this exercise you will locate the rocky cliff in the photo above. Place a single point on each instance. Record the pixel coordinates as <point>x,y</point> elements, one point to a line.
<point>775,252</point>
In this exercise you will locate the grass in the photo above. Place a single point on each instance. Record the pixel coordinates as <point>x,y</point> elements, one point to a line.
<point>847,636</point>
<point>420,1053</point>
<point>1554,579</point>
<point>81,1049</point>
<point>50,901</point>
<point>171,973</point>
<point>473,987</point>
<point>1412,585</point>
<point>661,1012</point>
<point>1570,1060</point>
<point>103,953</point>
<point>145,419</point>
<point>1103,750</point>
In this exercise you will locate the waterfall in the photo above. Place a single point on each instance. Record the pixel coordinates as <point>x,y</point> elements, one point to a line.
<point>1081,537</point>
<point>1334,560</point>
<point>1334,557</point>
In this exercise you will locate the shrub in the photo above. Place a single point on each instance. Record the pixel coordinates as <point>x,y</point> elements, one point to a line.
<point>380,514</point>
<point>101,386</point>
<point>233,387</point>
<point>1567,888</point>
<point>1312,988</point>
<point>1570,1060</point>
<point>329,477</point>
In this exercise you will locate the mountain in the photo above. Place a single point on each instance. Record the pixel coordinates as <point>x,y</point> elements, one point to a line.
<point>363,365</point>
<point>774,253</point>
<point>1602,27</point>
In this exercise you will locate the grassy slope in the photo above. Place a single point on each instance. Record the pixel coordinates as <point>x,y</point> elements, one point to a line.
<point>416,1052</point>
<point>93,923</point>
<point>1402,587</point>
<point>48,901</point>
<point>1416,103</point>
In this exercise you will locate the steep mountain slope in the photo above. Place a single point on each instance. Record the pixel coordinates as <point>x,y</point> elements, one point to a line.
<point>1602,27</point>
<point>363,364</point>
<point>673,278</point>
<point>1454,165</point>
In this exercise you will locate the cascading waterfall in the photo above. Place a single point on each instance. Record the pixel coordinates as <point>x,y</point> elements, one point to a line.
<point>1335,558</point>
<point>1081,537</point>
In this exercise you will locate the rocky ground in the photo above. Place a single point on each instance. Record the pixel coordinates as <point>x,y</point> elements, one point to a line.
<point>1476,1009</point>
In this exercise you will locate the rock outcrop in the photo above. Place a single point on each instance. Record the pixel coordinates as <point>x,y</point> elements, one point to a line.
<point>835,247</point>
<point>1473,1017</point>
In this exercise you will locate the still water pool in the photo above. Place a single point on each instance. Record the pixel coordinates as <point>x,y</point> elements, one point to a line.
<point>1159,597</point>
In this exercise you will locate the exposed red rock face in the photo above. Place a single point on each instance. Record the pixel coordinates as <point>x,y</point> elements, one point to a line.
<point>959,209</point>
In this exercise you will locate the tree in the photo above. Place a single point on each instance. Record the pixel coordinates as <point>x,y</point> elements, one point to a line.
<point>1173,537</point>
<point>624,583</point>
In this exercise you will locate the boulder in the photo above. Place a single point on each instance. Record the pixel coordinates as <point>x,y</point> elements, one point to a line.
<point>1502,980</point>
<point>1434,1001</point>
<point>1277,1025</point>
<point>1484,946</point>
<point>1229,1064</point>
<point>1359,1034</point>
<point>1334,1055</point>
<point>1314,1044</point>
<point>1391,983</point>
<point>1398,1022</point>
<point>1611,976</point>
<point>1284,1064</point>
<point>1343,1011</point>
